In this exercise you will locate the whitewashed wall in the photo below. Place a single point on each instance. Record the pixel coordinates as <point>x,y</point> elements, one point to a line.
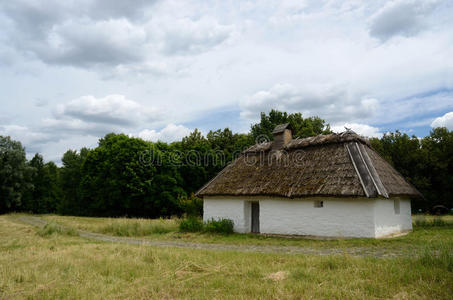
<point>228,208</point>
<point>387,221</point>
<point>340,217</point>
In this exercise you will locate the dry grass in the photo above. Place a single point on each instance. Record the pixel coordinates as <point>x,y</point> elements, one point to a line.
<point>118,226</point>
<point>64,266</point>
<point>414,242</point>
<point>432,221</point>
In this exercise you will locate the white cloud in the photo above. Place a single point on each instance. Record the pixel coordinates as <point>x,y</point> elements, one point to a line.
<point>444,121</point>
<point>82,43</point>
<point>111,109</point>
<point>169,133</point>
<point>198,59</point>
<point>186,36</point>
<point>362,129</point>
<point>27,136</point>
<point>98,116</point>
<point>101,34</point>
<point>332,103</point>
<point>400,17</point>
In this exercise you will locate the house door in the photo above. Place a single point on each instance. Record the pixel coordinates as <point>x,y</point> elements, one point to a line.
<point>255,217</point>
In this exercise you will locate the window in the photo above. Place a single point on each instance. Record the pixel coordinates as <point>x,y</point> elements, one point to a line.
<point>396,206</point>
<point>319,203</point>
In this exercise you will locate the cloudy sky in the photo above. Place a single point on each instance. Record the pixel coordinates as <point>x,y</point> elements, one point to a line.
<point>71,71</point>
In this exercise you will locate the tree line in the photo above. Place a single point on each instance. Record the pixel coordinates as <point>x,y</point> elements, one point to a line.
<point>127,176</point>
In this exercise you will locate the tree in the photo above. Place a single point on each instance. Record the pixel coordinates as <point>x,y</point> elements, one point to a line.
<point>14,175</point>
<point>194,170</point>
<point>437,168</point>
<point>46,193</point>
<point>301,127</point>
<point>69,182</point>
<point>426,163</point>
<point>119,179</point>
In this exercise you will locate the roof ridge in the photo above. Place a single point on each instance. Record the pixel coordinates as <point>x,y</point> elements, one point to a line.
<point>322,139</point>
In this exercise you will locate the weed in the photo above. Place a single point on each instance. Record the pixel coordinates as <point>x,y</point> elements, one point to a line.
<point>53,228</point>
<point>134,228</point>
<point>442,257</point>
<point>431,221</point>
<point>223,226</point>
<point>191,224</point>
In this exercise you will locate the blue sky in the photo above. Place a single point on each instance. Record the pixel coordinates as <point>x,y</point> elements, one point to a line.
<point>72,71</point>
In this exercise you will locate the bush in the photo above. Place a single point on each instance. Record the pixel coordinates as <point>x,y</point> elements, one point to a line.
<point>223,226</point>
<point>191,224</point>
<point>192,206</point>
<point>53,228</point>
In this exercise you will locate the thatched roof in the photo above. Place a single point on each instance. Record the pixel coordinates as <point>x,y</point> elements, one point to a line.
<point>325,165</point>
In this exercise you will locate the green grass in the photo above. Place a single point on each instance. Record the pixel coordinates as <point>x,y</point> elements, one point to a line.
<point>118,226</point>
<point>66,266</point>
<point>53,228</point>
<point>432,221</point>
<point>413,242</point>
<point>135,228</point>
<point>191,224</point>
<point>223,226</point>
<point>194,224</point>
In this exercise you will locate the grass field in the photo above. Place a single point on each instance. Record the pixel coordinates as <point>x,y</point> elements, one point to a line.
<point>422,237</point>
<point>57,263</point>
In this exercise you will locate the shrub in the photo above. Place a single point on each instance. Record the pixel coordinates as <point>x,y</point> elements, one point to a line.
<point>53,228</point>
<point>223,226</point>
<point>192,206</point>
<point>191,224</point>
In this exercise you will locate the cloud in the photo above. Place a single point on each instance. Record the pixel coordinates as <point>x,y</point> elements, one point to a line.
<point>444,121</point>
<point>98,116</point>
<point>29,137</point>
<point>82,43</point>
<point>186,36</point>
<point>416,110</point>
<point>334,104</point>
<point>132,9</point>
<point>111,109</point>
<point>169,133</point>
<point>105,34</point>
<point>362,129</point>
<point>400,17</point>
<point>195,59</point>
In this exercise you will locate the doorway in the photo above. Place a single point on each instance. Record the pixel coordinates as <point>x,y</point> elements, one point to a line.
<point>255,217</point>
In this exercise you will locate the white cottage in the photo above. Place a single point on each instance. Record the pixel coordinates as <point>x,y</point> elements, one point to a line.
<point>329,185</point>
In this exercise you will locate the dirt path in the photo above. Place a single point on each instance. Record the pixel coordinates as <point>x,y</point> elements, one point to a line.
<point>357,251</point>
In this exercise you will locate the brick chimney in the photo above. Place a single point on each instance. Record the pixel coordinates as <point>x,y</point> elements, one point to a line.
<point>282,136</point>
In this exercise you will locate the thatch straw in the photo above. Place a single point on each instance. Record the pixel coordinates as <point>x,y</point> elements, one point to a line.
<point>315,166</point>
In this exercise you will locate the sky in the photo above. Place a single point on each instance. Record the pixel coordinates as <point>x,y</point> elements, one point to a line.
<point>72,71</point>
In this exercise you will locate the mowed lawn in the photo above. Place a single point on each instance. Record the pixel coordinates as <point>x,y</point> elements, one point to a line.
<point>38,264</point>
